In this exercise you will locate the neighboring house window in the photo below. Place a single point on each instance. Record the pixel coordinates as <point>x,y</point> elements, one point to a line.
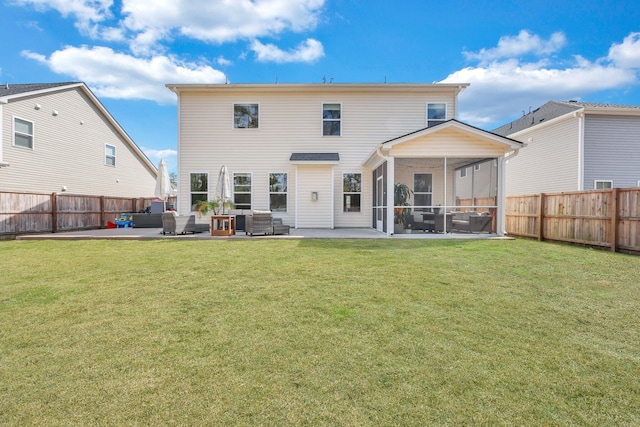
<point>22,133</point>
<point>463,172</point>
<point>246,116</point>
<point>331,118</point>
<point>278,192</point>
<point>242,190</point>
<point>422,189</point>
<point>603,185</point>
<point>476,167</point>
<point>436,114</point>
<point>199,188</point>
<point>109,155</point>
<point>352,192</point>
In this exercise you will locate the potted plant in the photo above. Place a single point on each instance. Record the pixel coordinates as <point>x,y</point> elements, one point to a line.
<point>214,206</point>
<point>401,194</point>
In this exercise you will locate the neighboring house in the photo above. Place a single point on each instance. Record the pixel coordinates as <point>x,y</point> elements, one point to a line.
<point>328,155</point>
<point>574,146</point>
<point>58,137</point>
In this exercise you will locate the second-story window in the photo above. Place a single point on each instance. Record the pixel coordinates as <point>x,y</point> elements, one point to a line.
<point>436,114</point>
<point>109,155</point>
<point>22,133</point>
<point>331,119</point>
<point>246,116</point>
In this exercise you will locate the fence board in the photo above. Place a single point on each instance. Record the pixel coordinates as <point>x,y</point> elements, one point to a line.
<point>22,213</point>
<point>601,218</point>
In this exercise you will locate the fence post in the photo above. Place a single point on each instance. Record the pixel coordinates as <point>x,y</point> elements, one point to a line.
<point>54,212</point>
<point>102,221</point>
<point>541,217</point>
<point>615,227</point>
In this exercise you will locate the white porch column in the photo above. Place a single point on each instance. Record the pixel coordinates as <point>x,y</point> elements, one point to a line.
<point>391,168</point>
<point>501,197</point>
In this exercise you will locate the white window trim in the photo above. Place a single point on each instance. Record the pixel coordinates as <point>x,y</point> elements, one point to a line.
<point>426,115</point>
<point>233,116</point>
<point>595,183</point>
<point>476,167</point>
<point>234,187</point>
<point>352,192</point>
<point>322,119</point>
<point>107,155</point>
<point>13,133</point>
<point>269,192</point>
<point>638,183</point>
<point>208,186</point>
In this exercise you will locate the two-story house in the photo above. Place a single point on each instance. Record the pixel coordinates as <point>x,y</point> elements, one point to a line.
<point>330,155</point>
<point>574,146</point>
<point>58,137</point>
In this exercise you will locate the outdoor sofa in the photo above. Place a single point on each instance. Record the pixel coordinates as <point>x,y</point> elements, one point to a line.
<point>178,224</point>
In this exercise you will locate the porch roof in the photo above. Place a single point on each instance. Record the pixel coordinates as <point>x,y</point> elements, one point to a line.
<point>315,158</point>
<point>451,138</point>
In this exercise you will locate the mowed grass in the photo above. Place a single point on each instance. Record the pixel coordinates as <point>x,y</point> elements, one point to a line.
<point>318,332</point>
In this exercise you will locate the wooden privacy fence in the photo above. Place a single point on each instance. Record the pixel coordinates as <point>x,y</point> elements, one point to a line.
<point>603,218</point>
<point>23,213</point>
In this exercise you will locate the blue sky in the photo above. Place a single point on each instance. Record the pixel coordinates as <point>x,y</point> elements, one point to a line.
<point>515,55</point>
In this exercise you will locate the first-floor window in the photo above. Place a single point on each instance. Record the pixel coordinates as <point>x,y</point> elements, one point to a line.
<point>422,190</point>
<point>22,133</point>
<point>278,192</point>
<point>603,185</point>
<point>242,190</point>
<point>199,189</point>
<point>352,192</point>
<point>109,155</point>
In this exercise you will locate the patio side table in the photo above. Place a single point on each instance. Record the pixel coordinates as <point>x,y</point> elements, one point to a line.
<point>223,225</point>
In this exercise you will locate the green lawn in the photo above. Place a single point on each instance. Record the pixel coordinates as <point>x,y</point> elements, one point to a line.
<point>318,332</point>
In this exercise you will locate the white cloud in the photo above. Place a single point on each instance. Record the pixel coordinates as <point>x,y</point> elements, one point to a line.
<point>116,75</point>
<point>627,54</point>
<point>524,43</point>
<point>85,11</point>
<point>507,85</point>
<point>308,51</point>
<point>159,154</point>
<point>224,62</point>
<point>217,21</point>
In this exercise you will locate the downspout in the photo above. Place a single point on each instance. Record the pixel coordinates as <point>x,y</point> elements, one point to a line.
<point>580,116</point>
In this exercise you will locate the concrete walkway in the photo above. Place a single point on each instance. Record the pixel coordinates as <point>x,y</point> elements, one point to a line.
<point>156,233</point>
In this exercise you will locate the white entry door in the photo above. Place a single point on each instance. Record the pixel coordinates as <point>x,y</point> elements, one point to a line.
<point>314,196</point>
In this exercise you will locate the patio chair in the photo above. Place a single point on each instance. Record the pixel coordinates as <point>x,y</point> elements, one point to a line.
<point>259,222</point>
<point>279,227</point>
<point>172,223</point>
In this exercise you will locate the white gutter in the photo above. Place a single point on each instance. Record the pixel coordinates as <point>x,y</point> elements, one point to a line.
<point>580,115</point>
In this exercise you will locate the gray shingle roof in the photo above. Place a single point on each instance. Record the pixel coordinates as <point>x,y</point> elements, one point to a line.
<point>315,157</point>
<point>551,110</point>
<point>7,89</point>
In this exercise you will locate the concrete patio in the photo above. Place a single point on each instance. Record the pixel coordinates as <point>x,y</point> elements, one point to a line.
<point>156,233</point>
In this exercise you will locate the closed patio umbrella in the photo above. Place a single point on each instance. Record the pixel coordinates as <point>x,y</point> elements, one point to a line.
<point>163,183</point>
<point>223,188</point>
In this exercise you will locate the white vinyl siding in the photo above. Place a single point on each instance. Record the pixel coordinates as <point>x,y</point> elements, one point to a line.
<point>611,150</point>
<point>290,122</point>
<point>550,162</point>
<point>70,149</point>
